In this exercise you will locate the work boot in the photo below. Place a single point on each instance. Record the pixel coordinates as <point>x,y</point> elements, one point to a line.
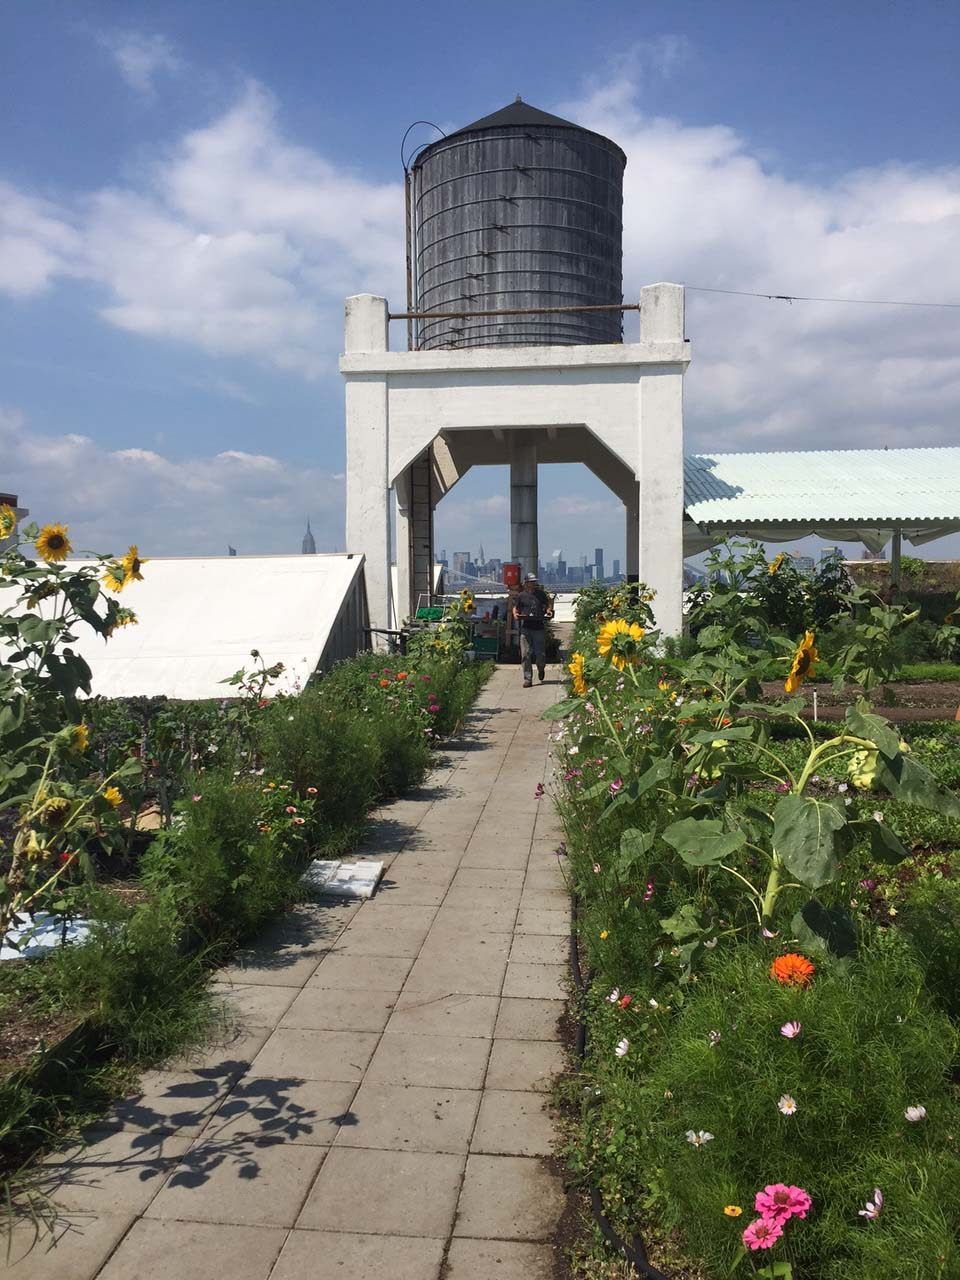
<point>528,684</point>
<point>542,674</point>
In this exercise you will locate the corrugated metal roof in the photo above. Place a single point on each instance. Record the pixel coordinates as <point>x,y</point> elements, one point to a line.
<point>883,488</point>
<point>199,619</point>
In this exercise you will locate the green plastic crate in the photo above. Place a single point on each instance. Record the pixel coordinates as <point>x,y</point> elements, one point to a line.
<point>486,646</point>
<point>429,613</point>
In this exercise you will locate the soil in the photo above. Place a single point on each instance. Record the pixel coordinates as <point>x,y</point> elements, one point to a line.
<point>897,701</point>
<point>34,1028</point>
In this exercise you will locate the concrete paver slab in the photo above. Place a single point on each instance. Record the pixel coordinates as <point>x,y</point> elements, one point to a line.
<point>362,973</point>
<point>488,878</point>
<point>442,1012</point>
<point>540,981</point>
<point>253,1005</point>
<point>479,974</point>
<point>77,1247</point>
<point>175,1101</point>
<point>159,1250</point>
<point>499,1260</point>
<point>316,1055</point>
<point>513,1123</point>
<point>508,1198</point>
<point>455,1062</point>
<point>524,1064</point>
<point>399,887</point>
<point>539,948</point>
<point>121,1170</point>
<point>280,969</point>
<point>410,1118</point>
<point>328,1255</point>
<point>251,1185</point>
<point>528,1019</point>
<point>530,920</point>
<point>381,942</point>
<point>403,1193</point>
<point>332,1009</point>
<point>278,1109</point>
<point>381,913</point>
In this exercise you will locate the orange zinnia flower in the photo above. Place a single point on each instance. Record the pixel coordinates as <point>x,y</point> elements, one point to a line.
<point>792,970</point>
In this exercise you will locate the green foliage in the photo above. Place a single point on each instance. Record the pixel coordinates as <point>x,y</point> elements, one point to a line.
<point>870,1046</point>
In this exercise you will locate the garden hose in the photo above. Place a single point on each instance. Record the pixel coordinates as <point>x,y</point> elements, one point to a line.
<point>635,1252</point>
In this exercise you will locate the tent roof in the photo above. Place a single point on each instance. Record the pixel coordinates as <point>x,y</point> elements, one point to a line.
<point>863,488</point>
<point>199,619</point>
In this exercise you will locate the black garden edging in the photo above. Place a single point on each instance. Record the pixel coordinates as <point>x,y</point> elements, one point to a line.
<point>635,1252</point>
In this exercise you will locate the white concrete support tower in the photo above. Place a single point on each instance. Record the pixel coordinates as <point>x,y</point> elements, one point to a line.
<point>417,421</point>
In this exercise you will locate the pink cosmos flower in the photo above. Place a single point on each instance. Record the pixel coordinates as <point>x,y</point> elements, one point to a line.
<point>197,799</point>
<point>290,808</point>
<point>762,1234</point>
<point>538,791</point>
<point>311,791</point>
<point>298,822</point>
<point>780,1203</point>
<point>616,785</point>
<point>648,892</point>
<point>791,1030</point>
<point>872,1208</point>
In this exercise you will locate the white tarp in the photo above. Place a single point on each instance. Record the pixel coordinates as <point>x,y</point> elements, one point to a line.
<point>200,618</point>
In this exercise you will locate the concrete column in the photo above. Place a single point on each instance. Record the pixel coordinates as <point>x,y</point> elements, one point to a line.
<point>524,545</point>
<point>660,477</point>
<point>401,605</point>
<point>368,485</point>
<point>633,535</point>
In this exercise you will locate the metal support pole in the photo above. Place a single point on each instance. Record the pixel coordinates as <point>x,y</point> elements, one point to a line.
<point>895,546</point>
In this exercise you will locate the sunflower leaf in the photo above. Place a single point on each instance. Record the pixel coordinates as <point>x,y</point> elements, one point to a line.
<point>556,710</point>
<point>702,842</point>
<point>826,929</point>
<point>804,835</point>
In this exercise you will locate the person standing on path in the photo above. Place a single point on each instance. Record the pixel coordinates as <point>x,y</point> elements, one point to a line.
<point>531,611</point>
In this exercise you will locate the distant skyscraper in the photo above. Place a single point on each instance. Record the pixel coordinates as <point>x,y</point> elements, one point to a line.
<point>598,561</point>
<point>616,570</point>
<point>231,551</point>
<point>308,547</point>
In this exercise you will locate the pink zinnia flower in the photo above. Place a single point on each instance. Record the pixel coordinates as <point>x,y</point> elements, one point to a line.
<point>762,1234</point>
<point>779,1202</point>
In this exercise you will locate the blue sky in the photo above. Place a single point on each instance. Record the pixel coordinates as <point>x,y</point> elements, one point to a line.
<point>188,191</point>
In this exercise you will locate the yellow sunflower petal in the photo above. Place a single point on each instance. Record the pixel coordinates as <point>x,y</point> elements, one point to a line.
<point>52,543</point>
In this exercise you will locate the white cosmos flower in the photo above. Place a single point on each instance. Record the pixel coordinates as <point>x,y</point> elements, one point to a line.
<point>916,1114</point>
<point>877,815</point>
<point>614,995</point>
<point>787,1105</point>
<point>711,943</point>
<point>873,1207</point>
<point>622,1047</point>
<point>697,1137</point>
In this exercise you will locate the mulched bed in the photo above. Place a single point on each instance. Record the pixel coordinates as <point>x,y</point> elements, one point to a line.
<point>34,1027</point>
<point>897,701</point>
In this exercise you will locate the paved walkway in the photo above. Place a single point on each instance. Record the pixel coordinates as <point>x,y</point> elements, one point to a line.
<point>380,1111</point>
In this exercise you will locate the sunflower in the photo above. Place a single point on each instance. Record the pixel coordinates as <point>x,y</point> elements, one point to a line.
<point>121,618</point>
<point>792,970</point>
<point>576,670</point>
<point>132,564</point>
<point>775,563</point>
<point>8,520</point>
<point>619,643</point>
<point>81,737</point>
<point>802,665</point>
<point>113,797</point>
<point>114,579</point>
<point>56,811</point>
<point>52,543</point>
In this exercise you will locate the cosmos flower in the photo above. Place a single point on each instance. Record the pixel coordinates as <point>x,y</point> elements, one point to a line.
<point>614,995</point>
<point>622,1048</point>
<point>873,1207</point>
<point>916,1114</point>
<point>714,1038</point>
<point>787,1105</point>
<point>791,1030</point>
<point>698,1137</point>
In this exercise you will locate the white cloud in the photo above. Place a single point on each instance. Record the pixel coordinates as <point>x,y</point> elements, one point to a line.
<point>37,243</point>
<point>112,497</point>
<point>140,57</point>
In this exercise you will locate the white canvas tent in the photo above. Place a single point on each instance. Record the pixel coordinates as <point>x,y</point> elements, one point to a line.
<point>200,618</point>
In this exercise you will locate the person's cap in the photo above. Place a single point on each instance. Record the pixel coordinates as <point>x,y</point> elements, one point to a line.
<point>531,577</point>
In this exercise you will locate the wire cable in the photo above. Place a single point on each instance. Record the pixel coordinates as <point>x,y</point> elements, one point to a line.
<point>799,297</point>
